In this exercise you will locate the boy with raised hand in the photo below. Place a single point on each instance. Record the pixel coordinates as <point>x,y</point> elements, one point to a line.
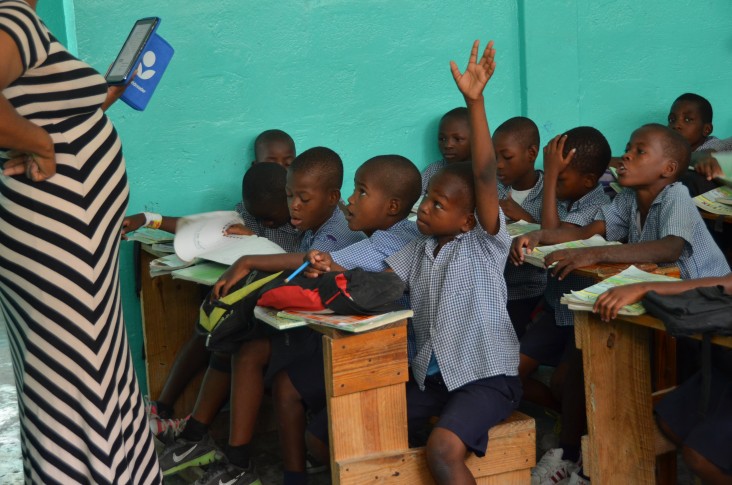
<point>379,207</point>
<point>453,140</point>
<point>520,190</point>
<point>465,368</point>
<point>313,192</point>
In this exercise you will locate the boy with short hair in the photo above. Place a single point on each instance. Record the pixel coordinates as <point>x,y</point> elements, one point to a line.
<point>465,369</point>
<point>660,223</point>
<point>379,207</point>
<point>520,190</point>
<point>453,140</point>
<point>274,146</point>
<point>313,191</point>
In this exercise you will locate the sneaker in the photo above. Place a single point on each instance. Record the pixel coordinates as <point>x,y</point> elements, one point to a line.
<point>552,470</point>
<point>578,478</point>
<point>225,473</point>
<point>181,454</point>
<point>313,466</point>
<point>163,428</point>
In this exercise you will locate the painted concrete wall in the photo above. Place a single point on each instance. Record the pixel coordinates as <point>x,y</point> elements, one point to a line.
<point>372,77</point>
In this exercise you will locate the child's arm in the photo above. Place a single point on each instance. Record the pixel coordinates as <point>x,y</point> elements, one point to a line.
<point>554,163</point>
<point>513,210</point>
<point>665,250</point>
<point>565,233</point>
<point>320,262</point>
<point>244,265</point>
<point>136,221</point>
<point>609,303</point>
<point>471,83</point>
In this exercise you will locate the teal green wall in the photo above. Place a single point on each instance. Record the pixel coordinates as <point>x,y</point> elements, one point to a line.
<point>372,77</point>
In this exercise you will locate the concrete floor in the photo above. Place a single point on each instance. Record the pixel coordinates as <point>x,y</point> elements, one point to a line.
<point>11,467</point>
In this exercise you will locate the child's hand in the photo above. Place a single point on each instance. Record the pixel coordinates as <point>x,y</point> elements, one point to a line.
<point>709,167</point>
<point>514,211</point>
<point>238,230</point>
<point>472,82</point>
<point>609,303</point>
<point>525,242</point>
<point>231,276</point>
<point>132,223</point>
<point>554,160</point>
<point>319,263</point>
<point>567,260</point>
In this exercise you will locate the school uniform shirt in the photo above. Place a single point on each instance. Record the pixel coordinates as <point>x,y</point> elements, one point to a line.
<point>333,235</point>
<point>286,236</point>
<point>371,253</point>
<point>459,302</point>
<point>581,213</point>
<point>430,171</point>
<point>672,213</point>
<point>716,144</point>
<point>526,281</point>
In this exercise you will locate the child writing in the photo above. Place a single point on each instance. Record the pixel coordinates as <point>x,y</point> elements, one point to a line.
<point>453,140</point>
<point>704,442</point>
<point>313,192</point>
<point>520,190</point>
<point>465,368</point>
<point>378,206</point>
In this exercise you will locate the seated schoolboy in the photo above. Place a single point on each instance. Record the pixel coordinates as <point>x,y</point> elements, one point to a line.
<point>465,369</point>
<point>520,190</point>
<point>453,140</point>
<point>704,442</point>
<point>659,222</point>
<point>264,210</point>
<point>378,207</point>
<point>313,192</point>
<point>274,146</point>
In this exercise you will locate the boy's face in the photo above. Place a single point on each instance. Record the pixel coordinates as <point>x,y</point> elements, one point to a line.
<point>643,162</point>
<point>453,139</point>
<point>514,160</point>
<point>279,152</point>
<point>268,214</point>
<point>443,212</point>
<point>368,207</point>
<point>310,203</point>
<point>572,184</point>
<point>686,118</point>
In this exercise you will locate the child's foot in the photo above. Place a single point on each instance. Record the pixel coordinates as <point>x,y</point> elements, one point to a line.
<point>230,474</point>
<point>552,469</point>
<point>182,453</point>
<point>578,478</point>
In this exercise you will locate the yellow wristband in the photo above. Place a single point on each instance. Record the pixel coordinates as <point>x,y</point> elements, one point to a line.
<point>153,220</point>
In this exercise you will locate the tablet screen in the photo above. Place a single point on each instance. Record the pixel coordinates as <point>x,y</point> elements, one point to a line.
<point>131,49</point>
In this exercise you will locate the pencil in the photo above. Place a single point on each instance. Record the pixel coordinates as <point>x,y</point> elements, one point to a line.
<point>297,271</point>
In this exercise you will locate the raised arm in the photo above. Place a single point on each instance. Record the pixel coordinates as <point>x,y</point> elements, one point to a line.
<point>471,83</point>
<point>554,163</point>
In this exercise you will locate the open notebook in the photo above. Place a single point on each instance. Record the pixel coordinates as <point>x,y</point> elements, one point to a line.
<point>282,320</point>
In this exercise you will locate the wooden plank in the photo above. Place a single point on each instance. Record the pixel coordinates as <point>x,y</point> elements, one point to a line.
<point>618,389</point>
<point>336,334</point>
<point>517,477</point>
<point>369,360</point>
<point>169,312</point>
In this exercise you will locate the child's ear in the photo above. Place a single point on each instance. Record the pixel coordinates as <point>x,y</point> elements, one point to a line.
<point>395,207</point>
<point>334,196</point>
<point>533,152</point>
<point>469,223</point>
<point>707,129</point>
<point>589,181</point>
<point>670,168</point>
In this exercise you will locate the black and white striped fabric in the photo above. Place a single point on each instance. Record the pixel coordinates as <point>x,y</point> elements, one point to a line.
<point>82,415</point>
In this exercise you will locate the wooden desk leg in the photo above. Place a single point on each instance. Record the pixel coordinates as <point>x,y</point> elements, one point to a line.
<point>367,406</point>
<point>618,390</point>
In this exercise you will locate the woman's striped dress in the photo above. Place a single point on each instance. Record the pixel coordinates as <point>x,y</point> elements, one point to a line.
<point>82,415</point>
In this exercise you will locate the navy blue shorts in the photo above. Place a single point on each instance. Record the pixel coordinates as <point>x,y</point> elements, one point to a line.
<point>290,346</point>
<point>306,375</point>
<point>547,342</point>
<point>468,411</point>
<point>710,436</point>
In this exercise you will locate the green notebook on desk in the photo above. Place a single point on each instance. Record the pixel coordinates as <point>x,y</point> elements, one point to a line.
<point>204,273</point>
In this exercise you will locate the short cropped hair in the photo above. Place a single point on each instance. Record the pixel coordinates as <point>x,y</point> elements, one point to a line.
<point>522,129</point>
<point>322,162</point>
<point>459,113</point>
<point>464,172</point>
<point>705,107</point>
<point>272,136</point>
<point>264,183</point>
<point>593,151</point>
<point>674,145</point>
<point>400,178</point>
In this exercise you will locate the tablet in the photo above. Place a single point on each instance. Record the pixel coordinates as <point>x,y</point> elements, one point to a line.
<point>128,58</point>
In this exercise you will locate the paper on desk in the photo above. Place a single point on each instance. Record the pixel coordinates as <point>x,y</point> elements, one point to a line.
<point>521,227</point>
<point>202,236</point>
<point>708,201</point>
<point>537,255</point>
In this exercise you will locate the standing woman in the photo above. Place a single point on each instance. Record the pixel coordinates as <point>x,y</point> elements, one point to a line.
<point>63,195</point>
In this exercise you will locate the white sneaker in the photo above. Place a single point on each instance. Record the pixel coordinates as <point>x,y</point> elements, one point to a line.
<point>552,470</point>
<point>576,479</point>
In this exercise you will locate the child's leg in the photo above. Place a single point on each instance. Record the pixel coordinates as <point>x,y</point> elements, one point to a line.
<point>520,312</point>
<point>446,455</point>
<point>705,469</point>
<point>212,395</point>
<point>574,414</point>
<point>291,420</point>
<point>247,389</point>
<point>190,359</point>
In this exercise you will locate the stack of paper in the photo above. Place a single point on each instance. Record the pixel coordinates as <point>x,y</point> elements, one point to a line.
<point>585,299</point>
<point>537,255</point>
<point>168,264</point>
<point>145,235</point>
<point>710,201</point>
<point>347,323</point>
<point>521,227</point>
<point>203,273</point>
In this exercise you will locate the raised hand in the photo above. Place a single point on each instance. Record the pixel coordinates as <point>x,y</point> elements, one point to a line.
<point>478,72</point>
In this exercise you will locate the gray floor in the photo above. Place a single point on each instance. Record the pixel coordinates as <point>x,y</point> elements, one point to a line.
<point>11,468</point>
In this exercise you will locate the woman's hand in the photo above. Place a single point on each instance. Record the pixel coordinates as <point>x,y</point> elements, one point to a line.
<point>35,166</point>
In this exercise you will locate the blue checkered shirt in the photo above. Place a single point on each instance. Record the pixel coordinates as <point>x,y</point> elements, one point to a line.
<point>581,213</point>
<point>673,213</point>
<point>333,235</point>
<point>370,253</point>
<point>716,144</point>
<point>286,236</point>
<point>459,303</point>
<point>526,281</point>
<point>430,171</point>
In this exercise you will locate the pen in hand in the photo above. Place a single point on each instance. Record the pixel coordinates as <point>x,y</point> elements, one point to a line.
<point>297,271</point>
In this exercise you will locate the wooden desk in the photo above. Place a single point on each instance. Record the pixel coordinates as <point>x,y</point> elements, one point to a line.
<point>617,373</point>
